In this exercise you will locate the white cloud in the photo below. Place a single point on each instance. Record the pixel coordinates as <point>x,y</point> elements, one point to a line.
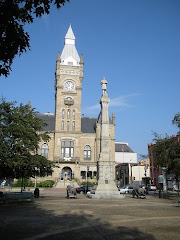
<point>121,101</point>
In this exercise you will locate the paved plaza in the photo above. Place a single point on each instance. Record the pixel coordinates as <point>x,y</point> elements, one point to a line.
<point>53,216</point>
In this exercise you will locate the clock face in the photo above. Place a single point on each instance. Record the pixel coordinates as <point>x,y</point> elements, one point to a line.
<point>69,86</point>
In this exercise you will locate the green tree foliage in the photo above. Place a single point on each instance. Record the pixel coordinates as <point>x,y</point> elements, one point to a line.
<point>14,14</point>
<point>176,121</point>
<point>19,137</point>
<point>166,153</point>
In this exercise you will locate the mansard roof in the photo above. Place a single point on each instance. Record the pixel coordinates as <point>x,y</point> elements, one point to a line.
<point>49,119</point>
<point>122,147</point>
<point>88,125</point>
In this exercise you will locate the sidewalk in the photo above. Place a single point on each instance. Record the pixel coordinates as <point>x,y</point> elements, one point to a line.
<point>56,217</point>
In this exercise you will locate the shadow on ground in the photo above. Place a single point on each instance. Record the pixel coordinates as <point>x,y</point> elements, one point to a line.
<point>33,220</point>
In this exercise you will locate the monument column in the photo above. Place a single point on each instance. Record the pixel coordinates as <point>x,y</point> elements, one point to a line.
<point>106,185</point>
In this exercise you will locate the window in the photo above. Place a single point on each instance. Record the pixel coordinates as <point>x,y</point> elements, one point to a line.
<point>63,111</point>
<point>44,150</point>
<point>87,152</point>
<point>83,174</point>
<point>68,114</point>
<point>62,125</point>
<point>67,149</point>
<point>73,125</point>
<point>68,125</point>
<point>73,114</point>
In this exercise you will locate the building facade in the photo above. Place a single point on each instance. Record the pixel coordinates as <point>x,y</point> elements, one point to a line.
<point>75,143</point>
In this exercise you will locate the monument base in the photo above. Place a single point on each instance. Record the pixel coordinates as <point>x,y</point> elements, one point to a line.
<point>105,195</point>
<point>106,191</point>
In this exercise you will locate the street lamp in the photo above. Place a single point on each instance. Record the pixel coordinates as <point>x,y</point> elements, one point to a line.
<point>87,178</point>
<point>145,169</point>
<point>35,177</point>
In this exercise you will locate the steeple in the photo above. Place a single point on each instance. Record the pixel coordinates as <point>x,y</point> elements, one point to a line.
<point>70,38</point>
<point>69,54</point>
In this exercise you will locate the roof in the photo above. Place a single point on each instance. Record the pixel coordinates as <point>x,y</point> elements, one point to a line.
<point>49,119</point>
<point>69,50</point>
<point>122,147</point>
<point>88,125</point>
<point>70,33</point>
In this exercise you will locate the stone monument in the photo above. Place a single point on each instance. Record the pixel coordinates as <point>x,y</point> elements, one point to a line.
<point>105,166</point>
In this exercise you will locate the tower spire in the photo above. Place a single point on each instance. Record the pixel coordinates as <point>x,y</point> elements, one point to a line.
<point>69,54</point>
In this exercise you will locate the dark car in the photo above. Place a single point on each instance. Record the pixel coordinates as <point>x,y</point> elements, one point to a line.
<point>83,189</point>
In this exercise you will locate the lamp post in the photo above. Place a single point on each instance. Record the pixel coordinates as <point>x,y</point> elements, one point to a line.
<point>87,178</point>
<point>35,177</point>
<point>145,169</point>
<point>131,175</point>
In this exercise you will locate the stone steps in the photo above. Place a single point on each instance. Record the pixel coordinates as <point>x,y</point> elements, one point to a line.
<point>64,184</point>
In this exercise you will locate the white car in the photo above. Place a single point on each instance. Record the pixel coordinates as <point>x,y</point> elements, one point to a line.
<point>126,189</point>
<point>151,187</point>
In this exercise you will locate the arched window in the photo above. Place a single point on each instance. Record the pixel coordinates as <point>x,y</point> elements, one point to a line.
<point>62,125</point>
<point>44,150</point>
<point>73,114</point>
<point>87,152</point>
<point>68,125</point>
<point>73,125</point>
<point>68,114</point>
<point>63,111</point>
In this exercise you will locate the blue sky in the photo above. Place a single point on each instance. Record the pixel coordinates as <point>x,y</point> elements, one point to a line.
<point>134,44</point>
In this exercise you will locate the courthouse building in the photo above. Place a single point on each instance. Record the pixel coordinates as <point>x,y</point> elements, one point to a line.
<point>75,140</point>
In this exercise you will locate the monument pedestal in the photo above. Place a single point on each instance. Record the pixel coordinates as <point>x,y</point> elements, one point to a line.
<point>105,195</point>
<point>106,186</point>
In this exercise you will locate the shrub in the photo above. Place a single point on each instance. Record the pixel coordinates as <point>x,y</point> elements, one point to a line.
<point>47,183</point>
<point>88,183</point>
<point>26,183</point>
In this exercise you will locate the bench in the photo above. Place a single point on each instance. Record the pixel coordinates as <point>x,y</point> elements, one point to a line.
<point>16,196</point>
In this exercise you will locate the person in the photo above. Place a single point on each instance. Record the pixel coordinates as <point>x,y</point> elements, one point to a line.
<point>36,193</point>
<point>135,192</point>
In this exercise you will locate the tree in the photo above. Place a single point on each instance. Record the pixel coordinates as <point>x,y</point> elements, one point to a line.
<point>166,153</point>
<point>176,121</point>
<point>14,14</point>
<point>20,133</point>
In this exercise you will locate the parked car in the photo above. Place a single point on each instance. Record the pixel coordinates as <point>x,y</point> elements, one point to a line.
<point>83,189</point>
<point>151,187</point>
<point>93,190</point>
<point>126,189</point>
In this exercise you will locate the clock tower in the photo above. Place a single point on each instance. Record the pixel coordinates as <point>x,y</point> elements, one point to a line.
<point>82,147</point>
<point>68,90</point>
